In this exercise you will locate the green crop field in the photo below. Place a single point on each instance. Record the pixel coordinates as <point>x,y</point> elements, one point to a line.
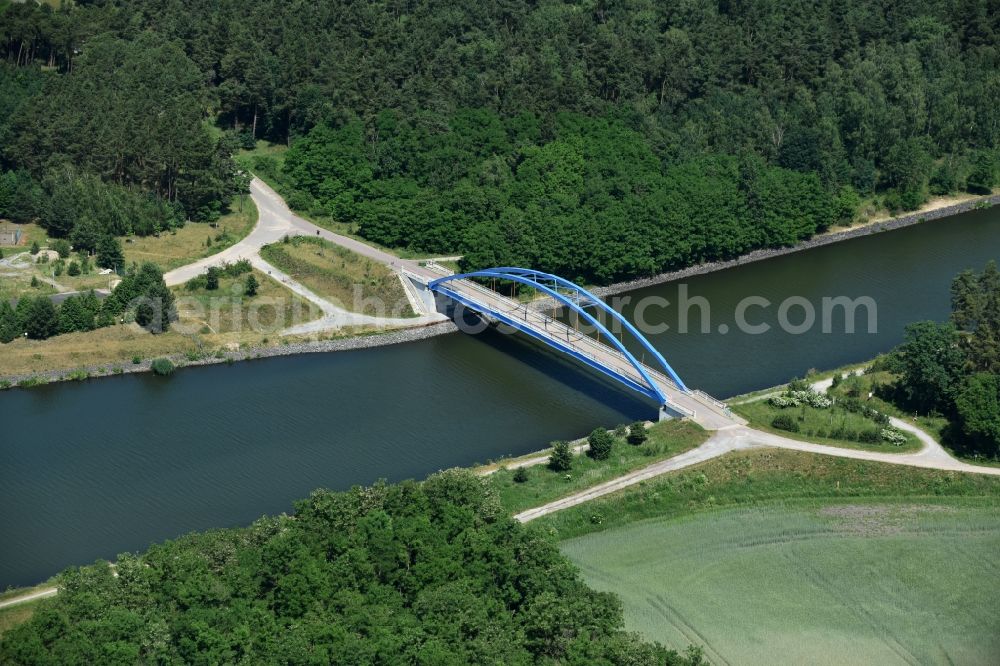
<point>827,582</point>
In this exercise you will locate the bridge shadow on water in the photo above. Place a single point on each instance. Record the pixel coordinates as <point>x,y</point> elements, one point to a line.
<point>523,349</point>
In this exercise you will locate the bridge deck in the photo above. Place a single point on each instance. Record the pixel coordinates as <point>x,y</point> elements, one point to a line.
<point>699,406</point>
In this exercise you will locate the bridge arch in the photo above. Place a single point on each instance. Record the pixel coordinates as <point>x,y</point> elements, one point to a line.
<point>578,300</point>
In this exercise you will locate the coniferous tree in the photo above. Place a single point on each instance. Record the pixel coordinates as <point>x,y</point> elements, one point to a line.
<point>109,253</point>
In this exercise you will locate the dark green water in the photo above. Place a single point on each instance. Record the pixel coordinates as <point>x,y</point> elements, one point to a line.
<point>90,470</point>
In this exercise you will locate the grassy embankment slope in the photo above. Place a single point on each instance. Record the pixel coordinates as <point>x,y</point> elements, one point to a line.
<point>784,555</point>
<point>340,276</point>
<point>665,440</point>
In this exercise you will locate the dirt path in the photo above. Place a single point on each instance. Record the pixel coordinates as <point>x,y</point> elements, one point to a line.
<point>734,438</point>
<point>31,596</point>
<point>930,456</point>
<point>275,221</point>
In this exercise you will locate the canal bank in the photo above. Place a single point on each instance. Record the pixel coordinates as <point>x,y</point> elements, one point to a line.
<point>136,459</point>
<point>424,331</point>
<point>350,343</point>
<point>820,240</point>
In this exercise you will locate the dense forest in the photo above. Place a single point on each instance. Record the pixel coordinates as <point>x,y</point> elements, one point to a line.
<point>415,573</point>
<point>599,140</point>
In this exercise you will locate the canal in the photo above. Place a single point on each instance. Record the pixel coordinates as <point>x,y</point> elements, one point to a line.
<point>111,465</point>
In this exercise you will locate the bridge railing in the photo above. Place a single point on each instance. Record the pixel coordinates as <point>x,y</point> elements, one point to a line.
<point>437,268</point>
<point>714,401</point>
<point>690,413</point>
<point>580,339</point>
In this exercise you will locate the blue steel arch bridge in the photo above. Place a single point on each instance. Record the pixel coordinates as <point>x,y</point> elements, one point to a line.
<point>648,374</point>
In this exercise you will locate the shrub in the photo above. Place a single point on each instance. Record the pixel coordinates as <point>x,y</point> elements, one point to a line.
<point>61,246</point>
<point>601,441</point>
<point>621,431</point>
<point>637,433</point>
<point>893,436</point>
<point>136,360</point>
<point>74,269</point>
<point>196,283</point>
<point>870,436</point>
<point>785,422</point>
<point>520,475</point>
<point>35,248</point>
<point>212,278</point>
<point>818,401</point>
<point>851,404</point>
<point>34,281</point>
<point>162,367</point>
<point>251,286</point>
<point>238,268</point>
<point>798,385</point>
<point>561,459</point>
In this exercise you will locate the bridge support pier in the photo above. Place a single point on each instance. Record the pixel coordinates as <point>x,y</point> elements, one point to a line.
<point>665,414</point>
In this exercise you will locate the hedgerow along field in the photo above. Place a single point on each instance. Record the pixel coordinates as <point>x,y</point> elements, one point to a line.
<point>782,556</point>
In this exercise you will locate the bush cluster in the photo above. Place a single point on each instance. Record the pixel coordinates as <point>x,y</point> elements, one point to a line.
<point>785,422</point>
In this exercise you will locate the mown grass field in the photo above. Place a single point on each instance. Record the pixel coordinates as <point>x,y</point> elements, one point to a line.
<point>830,583</point>
<point>341,276</point>
<point>666,440</point>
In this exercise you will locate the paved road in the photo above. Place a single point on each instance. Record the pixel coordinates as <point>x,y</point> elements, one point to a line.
<point>275,221</point>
